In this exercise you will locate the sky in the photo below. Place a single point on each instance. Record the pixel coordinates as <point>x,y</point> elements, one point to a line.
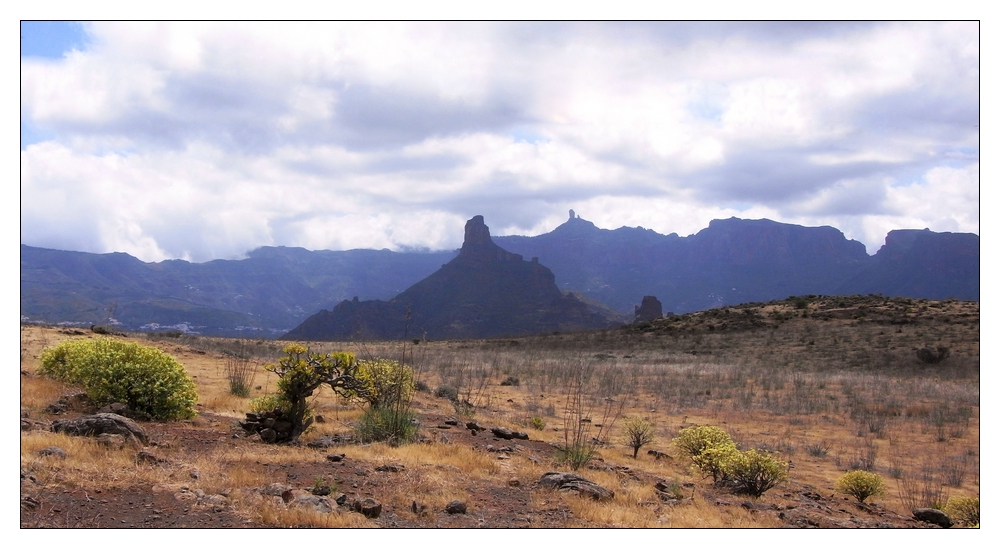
<point>203,141</point>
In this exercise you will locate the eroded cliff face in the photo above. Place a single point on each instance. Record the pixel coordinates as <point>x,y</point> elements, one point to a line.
<point>485,291</point>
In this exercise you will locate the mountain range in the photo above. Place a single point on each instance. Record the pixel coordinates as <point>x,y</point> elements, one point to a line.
<point>275,289</point>
<point>483,292</point>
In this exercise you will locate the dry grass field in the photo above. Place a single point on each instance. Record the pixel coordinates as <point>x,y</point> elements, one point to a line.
<point>828,384</point>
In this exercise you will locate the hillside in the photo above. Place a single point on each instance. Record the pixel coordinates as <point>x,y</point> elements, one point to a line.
<point>275,288</point>
<point>485,291</point>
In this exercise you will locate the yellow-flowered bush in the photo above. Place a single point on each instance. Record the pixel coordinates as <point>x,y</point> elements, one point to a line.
<point>861,485</point>
<point>963,510</point>
<point>152,383</point>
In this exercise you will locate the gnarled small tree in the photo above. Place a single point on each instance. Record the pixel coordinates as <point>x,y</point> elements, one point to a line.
<point>301,372</point>
<point>638,433</point>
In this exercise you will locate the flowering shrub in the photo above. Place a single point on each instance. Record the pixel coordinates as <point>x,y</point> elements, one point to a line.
<point>861,485</point>
<point>753,472</point>
<point>963,510</point>
<point>152,383</point>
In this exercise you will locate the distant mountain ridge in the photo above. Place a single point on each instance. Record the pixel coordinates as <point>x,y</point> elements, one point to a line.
<point>484,292</point>
<point>276,288</point>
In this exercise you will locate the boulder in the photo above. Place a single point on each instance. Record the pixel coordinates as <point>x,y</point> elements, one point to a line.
<point>97,424</point>
<point>570,481</point>
<point>54,451</point>
<point>368,507</point>
<point>455,507</point>
<point>933,516</point>
<point>507,434</point>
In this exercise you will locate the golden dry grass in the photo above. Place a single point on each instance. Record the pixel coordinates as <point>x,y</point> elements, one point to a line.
<point>805,408</point>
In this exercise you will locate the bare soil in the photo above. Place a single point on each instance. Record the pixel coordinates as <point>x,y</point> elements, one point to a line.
<point>497,504</point>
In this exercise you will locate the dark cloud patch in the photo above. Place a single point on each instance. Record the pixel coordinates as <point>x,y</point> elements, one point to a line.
<point>946,118</point>
<point>376,118</point>
<point>432,163</point>
<point>774,177</point>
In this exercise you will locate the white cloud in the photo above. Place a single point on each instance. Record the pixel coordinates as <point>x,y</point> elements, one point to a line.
<point>207,139</point>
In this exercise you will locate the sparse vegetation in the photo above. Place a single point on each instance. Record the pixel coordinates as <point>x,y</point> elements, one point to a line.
<point>963,510</point>
<point>763,385</point>
<point>638,433</point>
<point>753,472</point>
<point>861,485</point>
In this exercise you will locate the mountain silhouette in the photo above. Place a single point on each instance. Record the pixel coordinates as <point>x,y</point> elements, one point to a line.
<point>485,291</point>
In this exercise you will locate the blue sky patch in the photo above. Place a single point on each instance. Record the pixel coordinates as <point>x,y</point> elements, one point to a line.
<point>51,39</point>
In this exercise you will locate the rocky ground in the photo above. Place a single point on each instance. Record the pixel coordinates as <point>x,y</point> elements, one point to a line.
<point>506,502</point>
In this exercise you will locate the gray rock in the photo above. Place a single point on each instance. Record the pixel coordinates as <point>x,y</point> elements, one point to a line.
<point>111,440</point>
<point>274,489</point>
<point>455,507</point>
<point>368,507</point>
<point>94,425</point>
<point>54,451</point>
<point>315,503</point>
<point>570,481</point>
<point>933,516</point>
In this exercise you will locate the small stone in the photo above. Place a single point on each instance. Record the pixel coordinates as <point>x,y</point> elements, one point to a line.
<point>54,451</point>
<point>455,507</point>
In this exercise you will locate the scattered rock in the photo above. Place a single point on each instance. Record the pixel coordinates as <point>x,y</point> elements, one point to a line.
<point>511,382</point>
<point>473,426</point>
<point>368,507</point>
<point>658,455</point>
<point>418,509</point>
<point>149,457</point>
<point>66,403</point>
<point>507,434</point>
<point>110,440</point>
<point>54,451</point>
<point>443,426</point>
<point>513,483</point>
<point>273,427</point>
<point>570,481</point>
<point>451,421</point>
<point>391,468</point>
<point>455,507</point>
<point>327,441</point>
<point>274,489</point>
<point>319,504</point>
<point>933,516</point>
<point>97,424</point>
<point>29,503</point>
<point>115,408</point>
<point>336,458</point>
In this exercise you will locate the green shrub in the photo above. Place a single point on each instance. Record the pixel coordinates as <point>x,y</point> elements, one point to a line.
<point>576,454</point>
<point>537,423</point>
<point>692,441</point>
<point>386,382</point>
<point>964,511</point>
<point>713,460</point>
<point>393,425</point>
<point>861,485</point>
<point>753,472</point>
<point>269,403</point>
<point>152,383</point>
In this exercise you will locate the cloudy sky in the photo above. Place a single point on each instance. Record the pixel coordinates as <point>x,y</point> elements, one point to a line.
<point>205,140</point>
